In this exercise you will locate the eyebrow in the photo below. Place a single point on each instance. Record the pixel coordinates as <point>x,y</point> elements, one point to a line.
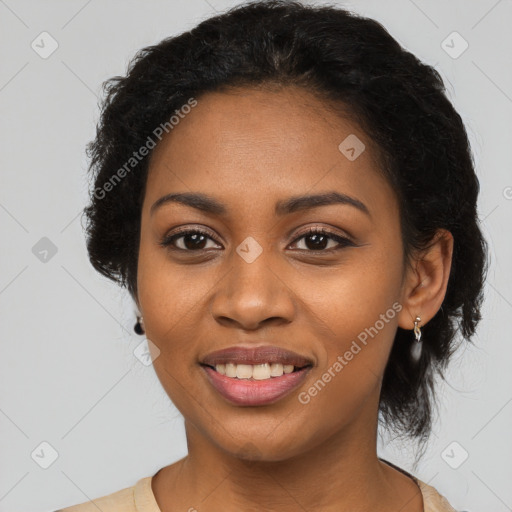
<point>294,204</point>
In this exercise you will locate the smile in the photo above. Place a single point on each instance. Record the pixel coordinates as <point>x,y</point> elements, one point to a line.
<point>248,391</point>
<point>251,376</point>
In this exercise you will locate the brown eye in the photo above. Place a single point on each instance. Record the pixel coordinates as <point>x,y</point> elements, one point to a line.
<point>318,240</point>
<point>187,240</point>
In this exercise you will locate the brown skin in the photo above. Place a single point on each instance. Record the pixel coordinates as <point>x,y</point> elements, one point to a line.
<point>250,148</point>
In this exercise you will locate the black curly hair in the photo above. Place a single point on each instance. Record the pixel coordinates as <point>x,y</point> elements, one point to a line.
<point>347,60</point>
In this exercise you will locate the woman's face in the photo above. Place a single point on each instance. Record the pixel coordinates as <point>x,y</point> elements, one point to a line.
<point>256,278</point>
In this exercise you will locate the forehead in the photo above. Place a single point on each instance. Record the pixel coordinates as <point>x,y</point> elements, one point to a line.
<point>249,144</point>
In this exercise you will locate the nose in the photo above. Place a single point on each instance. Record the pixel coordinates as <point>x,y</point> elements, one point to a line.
<point>253,295</point>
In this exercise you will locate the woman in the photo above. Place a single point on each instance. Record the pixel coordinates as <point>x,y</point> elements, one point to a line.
<point>290,199</point>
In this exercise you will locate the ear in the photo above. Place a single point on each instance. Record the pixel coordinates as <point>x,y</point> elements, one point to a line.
<point>426,280</point>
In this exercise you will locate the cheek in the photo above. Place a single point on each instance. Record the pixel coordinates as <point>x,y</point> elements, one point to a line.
<point>163,295</point>
<point>169,299</point>
<point>174,301</point>
<point>352,296</point>
<point>355,311</point>
<point>166,290</point>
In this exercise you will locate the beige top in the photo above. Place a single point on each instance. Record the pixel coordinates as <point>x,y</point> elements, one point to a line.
<point>140,498</point>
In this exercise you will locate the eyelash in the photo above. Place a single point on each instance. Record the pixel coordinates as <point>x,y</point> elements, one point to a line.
<point>168,240</point>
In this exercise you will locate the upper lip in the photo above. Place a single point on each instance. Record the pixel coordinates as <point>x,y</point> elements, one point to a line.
<point>256,355</point>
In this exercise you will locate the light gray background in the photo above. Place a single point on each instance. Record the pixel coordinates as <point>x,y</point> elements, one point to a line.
<point>68,373</point>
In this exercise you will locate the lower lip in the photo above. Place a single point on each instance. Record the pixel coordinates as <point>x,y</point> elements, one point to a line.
<point>255,392</point>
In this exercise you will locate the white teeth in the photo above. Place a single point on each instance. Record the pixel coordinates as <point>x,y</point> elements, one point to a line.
<point>261,371</point>
<point>244,371</point>
<point>276,369</point>
<point>255,371</point>
<point>230,370</point>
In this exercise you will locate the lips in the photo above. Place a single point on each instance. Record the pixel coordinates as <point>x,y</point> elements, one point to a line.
<point>263,390</point>
<point>256,355</point>
<point>242,392</point>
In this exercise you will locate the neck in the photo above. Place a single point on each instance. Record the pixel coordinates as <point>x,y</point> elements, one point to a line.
<point>342,473</point>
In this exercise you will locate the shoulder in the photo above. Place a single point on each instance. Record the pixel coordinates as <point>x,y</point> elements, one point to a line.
<point>432,500</point>
<point>130,499</point>
<point>117,501</point>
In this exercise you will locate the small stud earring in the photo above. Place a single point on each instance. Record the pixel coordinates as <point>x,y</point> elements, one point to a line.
<point>417,344</point>
<point>139,326</point>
